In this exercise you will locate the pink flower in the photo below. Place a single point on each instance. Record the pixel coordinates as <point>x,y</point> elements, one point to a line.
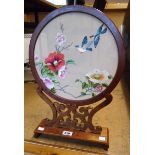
<point>48,82</point>
<point>99,88</point>
<point>62,72</point>
<point>60,39</point>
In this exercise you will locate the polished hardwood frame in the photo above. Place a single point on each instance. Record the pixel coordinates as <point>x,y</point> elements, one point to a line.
<point>58,124</point>
<point>103,18</point>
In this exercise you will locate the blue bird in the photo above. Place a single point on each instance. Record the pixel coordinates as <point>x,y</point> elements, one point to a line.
<point>86,46</point>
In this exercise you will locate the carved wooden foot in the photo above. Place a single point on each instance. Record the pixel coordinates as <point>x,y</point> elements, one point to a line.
<point>102,138</point>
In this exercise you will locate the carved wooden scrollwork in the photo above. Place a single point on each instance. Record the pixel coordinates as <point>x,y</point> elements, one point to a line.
<point>73,116</point>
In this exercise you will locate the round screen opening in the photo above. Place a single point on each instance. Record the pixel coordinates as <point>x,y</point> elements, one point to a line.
<point>76,56</point>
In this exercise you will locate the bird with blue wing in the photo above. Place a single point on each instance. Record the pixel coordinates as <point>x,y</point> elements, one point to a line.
<point>97,35</point>
<point>86,45</point>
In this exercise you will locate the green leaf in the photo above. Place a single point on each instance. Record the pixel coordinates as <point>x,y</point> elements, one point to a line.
<point>91,84</point>
<point>51,74</point>
<point>70,61</point>
<point>87,85</point>
<point>53,90</point>
<point>83,93</point>
<point>46,72</point>
<point>104,84</point>
<point>110,77</point>
<point>94,85</point>
<point>84,85</point>
<point>93,94</point>
<point>55,81</point>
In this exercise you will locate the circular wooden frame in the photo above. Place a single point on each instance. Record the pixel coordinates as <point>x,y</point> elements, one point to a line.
<point>103,18</point>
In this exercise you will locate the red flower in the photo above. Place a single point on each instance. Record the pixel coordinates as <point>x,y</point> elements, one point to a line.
<point>55,61</point>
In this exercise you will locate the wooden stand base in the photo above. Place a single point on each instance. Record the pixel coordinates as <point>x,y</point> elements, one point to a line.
<point>74,121</point>
<point>102,138</point>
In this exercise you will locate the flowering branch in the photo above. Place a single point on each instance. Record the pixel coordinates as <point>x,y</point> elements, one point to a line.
<point>63,48</point>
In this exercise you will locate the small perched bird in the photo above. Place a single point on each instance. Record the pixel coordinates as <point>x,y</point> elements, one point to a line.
<point>87,46</point>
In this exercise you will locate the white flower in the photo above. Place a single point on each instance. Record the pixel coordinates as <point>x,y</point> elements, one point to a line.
<point>62,72</point>
<point>97,76</point>
<point>48,82</point>
<point>60,39</point>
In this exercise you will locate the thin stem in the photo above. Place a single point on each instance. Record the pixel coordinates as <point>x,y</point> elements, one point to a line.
<point>61,27</point>
<point>66,47</point>
<point>82,95</point>
<point>63,90</point>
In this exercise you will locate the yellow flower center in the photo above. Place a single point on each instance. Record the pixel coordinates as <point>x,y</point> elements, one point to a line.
<point>97,76</point>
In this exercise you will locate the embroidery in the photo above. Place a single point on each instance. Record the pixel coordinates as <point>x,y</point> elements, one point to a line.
<point>55,65</point>
<point>95,82</point>
<point>92,41</point>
